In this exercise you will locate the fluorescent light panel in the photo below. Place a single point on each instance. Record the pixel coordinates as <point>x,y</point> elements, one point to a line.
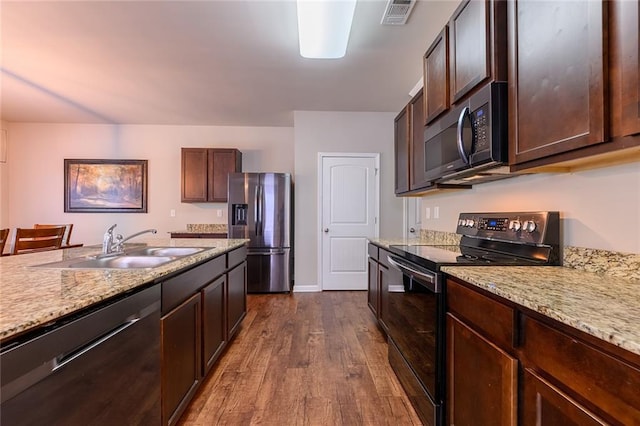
<point>324,27</point>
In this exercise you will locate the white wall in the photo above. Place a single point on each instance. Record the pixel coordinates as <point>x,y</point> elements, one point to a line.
<point>599,208</point>
<point>35,190</point>
<point>4,182</point>
<point>338,132</point>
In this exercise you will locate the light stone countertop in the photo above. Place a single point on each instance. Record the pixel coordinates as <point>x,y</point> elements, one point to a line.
<point>603,305</point>
<point>31,297</point>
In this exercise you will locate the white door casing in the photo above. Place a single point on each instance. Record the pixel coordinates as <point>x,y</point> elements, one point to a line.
<point>349,206</point>
<point>412,217</point>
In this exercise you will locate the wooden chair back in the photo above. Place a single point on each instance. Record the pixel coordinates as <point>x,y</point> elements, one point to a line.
<point>4,236</point>
<point>67,231</point>
<point>31,239</point>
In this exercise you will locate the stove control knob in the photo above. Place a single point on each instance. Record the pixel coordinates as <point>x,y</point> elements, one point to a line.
<point>471,223</point>
<point>529,226</point>
<point>514,225</point>
<point>461,222</point>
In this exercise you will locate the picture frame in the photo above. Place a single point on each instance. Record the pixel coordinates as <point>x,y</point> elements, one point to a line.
<point>105,186</point>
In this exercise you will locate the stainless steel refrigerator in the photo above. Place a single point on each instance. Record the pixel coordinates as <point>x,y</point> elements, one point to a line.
<point>260,210</point>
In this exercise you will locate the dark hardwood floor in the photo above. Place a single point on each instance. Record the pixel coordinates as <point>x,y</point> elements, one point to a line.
<point>304,359</point>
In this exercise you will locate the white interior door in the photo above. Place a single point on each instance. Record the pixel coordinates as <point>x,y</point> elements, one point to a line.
<point>349,200</point>
<point>412,217</point>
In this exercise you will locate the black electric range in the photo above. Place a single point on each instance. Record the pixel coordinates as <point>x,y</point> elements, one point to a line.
<point>417,304</point>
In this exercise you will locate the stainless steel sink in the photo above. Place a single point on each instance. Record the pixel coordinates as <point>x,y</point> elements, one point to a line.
<point>124,262</point>
<point>165,251</point>
<point>143,258</point>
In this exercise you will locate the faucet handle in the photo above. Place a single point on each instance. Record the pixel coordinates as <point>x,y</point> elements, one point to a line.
<point>111,228</point>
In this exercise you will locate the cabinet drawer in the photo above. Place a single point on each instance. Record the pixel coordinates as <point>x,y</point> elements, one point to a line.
<point>177,289</point>
<point>236,257</point>
<point>491,318</point>
<point>373,251</point>
<point>609,384</point>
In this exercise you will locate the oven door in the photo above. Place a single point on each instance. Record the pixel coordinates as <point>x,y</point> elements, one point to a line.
<point>416,332</point>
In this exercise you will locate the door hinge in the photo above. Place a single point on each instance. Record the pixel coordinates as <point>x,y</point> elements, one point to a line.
<point>376,169</point>
<point>376,221</point>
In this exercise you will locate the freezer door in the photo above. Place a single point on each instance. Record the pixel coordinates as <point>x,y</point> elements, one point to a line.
<point>268,271</point>
<point>243,188</point>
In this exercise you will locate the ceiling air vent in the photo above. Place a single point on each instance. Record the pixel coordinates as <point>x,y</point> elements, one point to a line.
<point>397,12</point>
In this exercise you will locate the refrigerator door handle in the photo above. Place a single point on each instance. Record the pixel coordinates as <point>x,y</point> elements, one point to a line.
<point>257,212</point>
<point>261,209</point>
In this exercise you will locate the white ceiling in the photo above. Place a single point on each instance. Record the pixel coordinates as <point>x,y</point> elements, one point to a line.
<point>199,62</point>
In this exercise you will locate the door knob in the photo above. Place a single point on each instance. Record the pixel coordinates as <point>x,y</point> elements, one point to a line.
<point>326,230</point>
<point>412,230</point>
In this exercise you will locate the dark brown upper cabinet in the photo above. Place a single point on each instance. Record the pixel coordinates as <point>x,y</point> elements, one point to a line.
<point>624,18</point>
<point>471,50</point>
<point>557,77</point>
<point>205,171</point>
<point>436,77</point>
<point>417,179</point>
<point>402,144</point>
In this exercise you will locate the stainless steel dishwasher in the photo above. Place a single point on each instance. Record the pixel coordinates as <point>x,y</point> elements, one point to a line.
<point>100,368</point>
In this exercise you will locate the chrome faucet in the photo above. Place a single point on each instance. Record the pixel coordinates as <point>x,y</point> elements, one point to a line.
<point>107,240</point>
<point>111,247</point>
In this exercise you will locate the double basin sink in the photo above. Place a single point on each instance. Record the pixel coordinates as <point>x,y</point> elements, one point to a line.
<point>146,257</point>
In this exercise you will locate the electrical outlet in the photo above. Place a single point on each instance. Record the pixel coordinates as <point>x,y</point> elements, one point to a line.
<point>219,212</point>
<point>427,212</point>
<point>436,212</point>
<point>172,213</point>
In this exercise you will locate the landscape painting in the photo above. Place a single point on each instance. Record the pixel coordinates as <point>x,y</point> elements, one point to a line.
<point>99,186</point>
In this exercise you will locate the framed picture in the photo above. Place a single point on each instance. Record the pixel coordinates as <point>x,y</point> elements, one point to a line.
<point>104,186</point>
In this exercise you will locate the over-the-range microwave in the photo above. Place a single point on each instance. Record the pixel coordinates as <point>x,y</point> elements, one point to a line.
<point>469,143</point>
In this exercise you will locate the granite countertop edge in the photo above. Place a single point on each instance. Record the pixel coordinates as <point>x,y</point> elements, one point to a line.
<point>32,297</point>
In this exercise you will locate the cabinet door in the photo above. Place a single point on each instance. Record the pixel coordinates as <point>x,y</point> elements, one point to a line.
<point>625,67</point>
<point>194,174</point>
<point>557,77</point>
<point>436,77</point>
<point>221,163</point>
<point>470,49</point>
<point>213,322</point>
<point>481,379</point>
<point>418,179</point>
<point>544,404</point>
<point>401,136</point>
<point>372,294</point>
<point>236,298</point>
<point>181,351</point>
<point>388,277</point>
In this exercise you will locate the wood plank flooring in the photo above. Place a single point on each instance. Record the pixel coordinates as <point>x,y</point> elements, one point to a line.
<point>304,359</point>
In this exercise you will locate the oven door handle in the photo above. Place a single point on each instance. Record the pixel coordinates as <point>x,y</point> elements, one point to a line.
<point>424,277</point>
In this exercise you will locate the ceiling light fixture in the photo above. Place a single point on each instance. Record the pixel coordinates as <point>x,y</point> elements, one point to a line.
<point>324,27</point>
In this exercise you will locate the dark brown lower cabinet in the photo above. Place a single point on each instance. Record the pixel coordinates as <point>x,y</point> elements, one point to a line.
<point>544,404</point>
<point>482,379</point>
<point>388,276</point>
<point>566,377</point>
<point>372,294</point>
<point>203,307</point>
<point>214,335</point>
<point>236,298</point>
<point>181,351</point>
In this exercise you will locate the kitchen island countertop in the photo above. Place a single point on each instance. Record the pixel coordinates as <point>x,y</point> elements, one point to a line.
<point>32,297</point>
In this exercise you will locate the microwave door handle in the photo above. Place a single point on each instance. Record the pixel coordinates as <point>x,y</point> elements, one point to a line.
<point>463,114</point>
